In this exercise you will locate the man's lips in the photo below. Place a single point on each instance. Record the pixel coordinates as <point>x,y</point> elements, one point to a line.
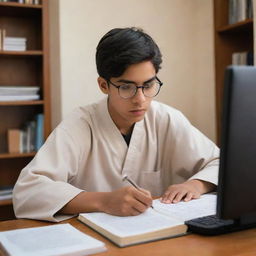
<point>138,111</point>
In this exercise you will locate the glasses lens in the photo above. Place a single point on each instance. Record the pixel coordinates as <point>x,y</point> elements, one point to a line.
<point>127,90</point>
<point>151,89</point>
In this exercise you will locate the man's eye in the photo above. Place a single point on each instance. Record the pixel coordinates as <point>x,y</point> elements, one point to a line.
<point>126,87</point>
<point>149,85</point>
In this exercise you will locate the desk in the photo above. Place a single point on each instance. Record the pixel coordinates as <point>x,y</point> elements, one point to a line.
<point>241,243</point>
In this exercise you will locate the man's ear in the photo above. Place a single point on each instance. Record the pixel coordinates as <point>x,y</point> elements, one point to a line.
<point>103,85</point>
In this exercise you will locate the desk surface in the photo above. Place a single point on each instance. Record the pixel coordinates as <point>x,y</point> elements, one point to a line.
<point>241,243</point>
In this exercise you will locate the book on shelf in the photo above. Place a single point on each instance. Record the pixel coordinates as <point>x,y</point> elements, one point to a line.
<point>58,239</point>
<point>242,58</point>
<point>14,44</point>
<point>161,221</point>
<point>29,138</point>
<point>19,93</point>
<point>19,97</point>
<point>5,192</point>
<point>239,10</point>
<point>39,131</point>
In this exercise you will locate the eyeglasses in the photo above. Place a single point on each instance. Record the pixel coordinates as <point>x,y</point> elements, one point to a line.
<point>150,89</point>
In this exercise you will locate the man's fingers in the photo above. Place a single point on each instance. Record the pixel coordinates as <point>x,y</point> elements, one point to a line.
<point>146,192</point>
<point>138,206</point>
<point>179,196</point>
<point>188,197</point>
<point>169,196</point>
<point>143,197</point>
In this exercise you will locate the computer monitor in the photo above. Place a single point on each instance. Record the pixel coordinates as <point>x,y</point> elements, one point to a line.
<point>236,193</point>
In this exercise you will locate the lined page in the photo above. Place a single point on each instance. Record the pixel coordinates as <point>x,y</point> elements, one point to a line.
<point>132,225</point>
<point>205,205</point>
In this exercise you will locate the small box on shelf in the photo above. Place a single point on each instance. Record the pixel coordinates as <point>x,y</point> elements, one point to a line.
<point>14,140</point>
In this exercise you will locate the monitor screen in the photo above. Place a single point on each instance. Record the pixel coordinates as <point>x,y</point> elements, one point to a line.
<point>237,173</point>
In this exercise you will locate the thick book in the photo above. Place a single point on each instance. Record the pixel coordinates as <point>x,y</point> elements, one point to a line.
<point>19,90</point>
<point>161,221</point>
<point>59,239</point>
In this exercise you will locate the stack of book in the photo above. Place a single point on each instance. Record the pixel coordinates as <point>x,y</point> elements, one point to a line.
<point>5,192</point>
<point>14,43</point>
<point>29,138</point>
<point>240,10</point>
<point>19,93</point>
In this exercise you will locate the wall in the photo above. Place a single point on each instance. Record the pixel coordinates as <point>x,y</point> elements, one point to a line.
<point>183,30</point>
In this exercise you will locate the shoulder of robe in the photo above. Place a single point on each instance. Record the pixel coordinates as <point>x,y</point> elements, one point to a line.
<point>165,114</point>
<point>77,124</point>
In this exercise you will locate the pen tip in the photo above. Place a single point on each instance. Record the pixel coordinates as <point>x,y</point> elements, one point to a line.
<point>124,177</point>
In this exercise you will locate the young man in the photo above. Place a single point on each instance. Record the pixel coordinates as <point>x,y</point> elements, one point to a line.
<point>81,165</point>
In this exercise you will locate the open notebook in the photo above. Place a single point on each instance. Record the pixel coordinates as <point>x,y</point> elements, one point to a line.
<point>165,220</point>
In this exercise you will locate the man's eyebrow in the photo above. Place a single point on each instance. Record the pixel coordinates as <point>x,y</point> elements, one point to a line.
<point>132,82</point>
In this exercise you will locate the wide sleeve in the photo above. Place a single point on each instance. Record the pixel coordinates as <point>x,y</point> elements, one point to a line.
<point>194,155</point>
<point>43,186</point>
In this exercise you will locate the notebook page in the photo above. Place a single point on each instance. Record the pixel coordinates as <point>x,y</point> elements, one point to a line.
<point>205,205</point>
<point>132,225</point>
<point>59,239</point>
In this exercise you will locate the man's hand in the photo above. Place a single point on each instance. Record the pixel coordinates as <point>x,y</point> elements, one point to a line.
<point>186,191</point>
<point>127,201</point>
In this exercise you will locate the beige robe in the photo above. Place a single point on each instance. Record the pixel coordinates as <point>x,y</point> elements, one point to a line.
<point>87,152</point>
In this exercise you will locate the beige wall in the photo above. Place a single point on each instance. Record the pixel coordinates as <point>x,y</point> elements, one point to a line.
<point>183,30</point>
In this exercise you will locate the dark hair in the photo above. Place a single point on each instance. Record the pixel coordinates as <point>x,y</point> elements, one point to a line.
<point>122,47</point>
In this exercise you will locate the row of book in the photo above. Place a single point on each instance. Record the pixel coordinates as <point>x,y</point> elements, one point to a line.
<point>12,43</point>
<point>29,138</point>
<point>242,58</point>
<point>22,1</point>
<point>240,10</point>
<point>19,93</point>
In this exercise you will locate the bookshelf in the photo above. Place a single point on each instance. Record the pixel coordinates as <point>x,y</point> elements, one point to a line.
<point>237,37</point>
<point>22,68</point>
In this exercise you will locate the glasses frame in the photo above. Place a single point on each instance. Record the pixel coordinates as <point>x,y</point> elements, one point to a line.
<point>137,87</point>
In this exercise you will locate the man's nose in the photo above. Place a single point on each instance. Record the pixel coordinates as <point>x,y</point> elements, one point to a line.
<point>139,97</point>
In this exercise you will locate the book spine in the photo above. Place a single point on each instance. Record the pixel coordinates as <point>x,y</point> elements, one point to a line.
<point>39,131</point>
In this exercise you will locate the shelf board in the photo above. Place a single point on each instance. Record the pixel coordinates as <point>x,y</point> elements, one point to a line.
<point>239,26</point>
<point>21,53</point>
<point>16,155</point>
<point>6,202</point>
<point>21,103</point>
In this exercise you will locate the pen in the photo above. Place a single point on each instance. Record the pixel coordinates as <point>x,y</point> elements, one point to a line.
<point>125,177</point>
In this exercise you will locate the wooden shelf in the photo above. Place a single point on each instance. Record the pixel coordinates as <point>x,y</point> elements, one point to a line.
<point>21,103</point>
<point>21,53</point>
<point>240,26</point>
<point>6,202</point>
<point>16,155</point>
<point>229,39</point>
<point>28,68</point>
